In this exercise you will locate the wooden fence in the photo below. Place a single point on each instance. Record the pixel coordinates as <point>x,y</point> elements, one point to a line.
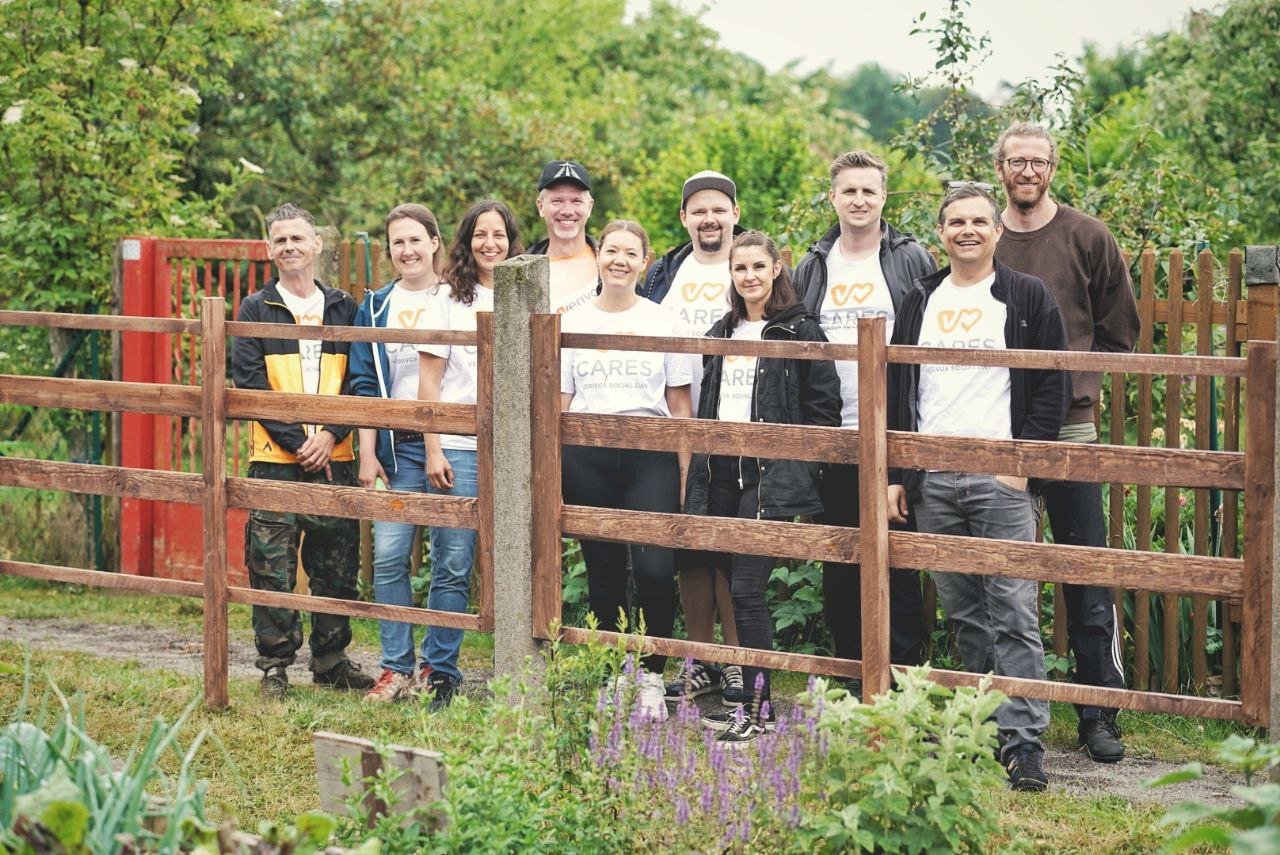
<point>527,517</point>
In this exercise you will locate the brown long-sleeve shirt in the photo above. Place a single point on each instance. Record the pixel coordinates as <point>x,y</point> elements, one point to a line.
<point>1079,259</point>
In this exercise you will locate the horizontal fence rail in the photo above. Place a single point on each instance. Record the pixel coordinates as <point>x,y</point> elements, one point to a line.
<point>1244,581</point>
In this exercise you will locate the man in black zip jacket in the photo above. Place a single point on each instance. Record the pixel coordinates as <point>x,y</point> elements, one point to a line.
<point>862,267</point>
<point>299,453</point>
<point>977,303</point>
<point>693,280</point>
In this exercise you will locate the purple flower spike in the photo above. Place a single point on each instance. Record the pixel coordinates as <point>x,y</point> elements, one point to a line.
<point>682,811</point>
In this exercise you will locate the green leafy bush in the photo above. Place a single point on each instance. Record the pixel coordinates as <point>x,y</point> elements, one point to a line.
<point>910,772</point>
<point>1253,827</point>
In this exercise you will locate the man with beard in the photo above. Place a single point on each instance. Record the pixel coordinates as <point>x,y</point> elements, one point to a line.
<point>1079,259</point>
<point>693,280</point>
<point>565,203</point>
<point>862,267</point>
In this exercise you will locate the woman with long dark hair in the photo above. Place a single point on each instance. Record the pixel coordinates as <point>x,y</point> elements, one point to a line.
<point>486,236</point>
<point>763,307</point>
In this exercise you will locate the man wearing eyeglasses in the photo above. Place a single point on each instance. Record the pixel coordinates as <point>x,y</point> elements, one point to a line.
<point>1079,259</point>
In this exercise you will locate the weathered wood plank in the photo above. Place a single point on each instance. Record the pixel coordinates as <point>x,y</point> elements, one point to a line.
<point>873,510</point>
<point>99,480</point>
<point>1259,509</point>
<point>1188,574</point>
<point>421,416</point>
<point>117,323</point>
<point>101,579</point>
<point>353,502</point>
<point>1142,598</point>
<point>486,487</point>
<point>213,464</point>
<point>245,329</point>
<point>353,608</point>
<point>547,497</point>
<point>1173,439</point>
<point>419,783</point>
<point>1206,424</point>
<point>1231,442</point>
<point>106,395</point>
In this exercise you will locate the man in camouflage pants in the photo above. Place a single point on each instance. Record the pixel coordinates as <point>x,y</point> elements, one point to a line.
<point>299,453</point>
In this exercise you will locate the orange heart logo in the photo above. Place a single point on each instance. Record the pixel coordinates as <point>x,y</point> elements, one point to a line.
<point>709,291</point>
<point>307,320</point>
<point>409,318</point>
<point>858,292</point>
<point>965,318</point>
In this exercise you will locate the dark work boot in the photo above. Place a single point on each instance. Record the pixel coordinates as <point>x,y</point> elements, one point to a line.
<point>275,683</point>
<point>1100,736</point>
<point>345,675</point>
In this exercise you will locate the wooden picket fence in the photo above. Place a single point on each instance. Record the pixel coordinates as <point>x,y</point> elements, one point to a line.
<point>520,527</point>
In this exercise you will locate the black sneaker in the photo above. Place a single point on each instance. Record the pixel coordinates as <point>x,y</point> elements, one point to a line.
<point>1100,736</point>
<point>443,688</point>
<point>275,684</point>
<point>745,730</point>
<point>732,692</point>
<point>345,675</point>
<point>724,721</point>
<point>694,680</point>
<point>1025,766</point>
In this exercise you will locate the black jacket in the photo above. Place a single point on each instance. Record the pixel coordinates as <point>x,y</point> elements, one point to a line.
<point>1038,398</point>
<point>787,391</point>
<point>663,272</point>
<point>271,363</point>
<point>901,259</point>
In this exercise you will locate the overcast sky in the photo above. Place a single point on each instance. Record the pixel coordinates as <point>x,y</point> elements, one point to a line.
<point>1025,34</point>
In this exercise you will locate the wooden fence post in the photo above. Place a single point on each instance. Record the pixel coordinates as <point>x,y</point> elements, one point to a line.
<point>873,510</point>
<point>547,496</point>
<point>213,465</point>
<point>1261,528</point>
<point>521,289</point>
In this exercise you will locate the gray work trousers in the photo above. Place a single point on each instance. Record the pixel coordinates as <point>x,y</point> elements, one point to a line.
<point>996,619</point>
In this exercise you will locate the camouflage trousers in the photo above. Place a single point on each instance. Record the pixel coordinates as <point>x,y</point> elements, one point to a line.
<point>330,548</point>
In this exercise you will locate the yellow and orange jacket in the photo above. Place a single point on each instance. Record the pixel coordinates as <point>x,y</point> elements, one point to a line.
<point>276,364</point>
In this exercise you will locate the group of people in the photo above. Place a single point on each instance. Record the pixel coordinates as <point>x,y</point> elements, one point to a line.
<point>1036,274</point>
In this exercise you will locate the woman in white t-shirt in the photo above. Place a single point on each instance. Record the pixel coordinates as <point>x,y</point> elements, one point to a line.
<point>396,457</point>
<point>634,383</point>
<point>762,307</point>
<point>486,235</point>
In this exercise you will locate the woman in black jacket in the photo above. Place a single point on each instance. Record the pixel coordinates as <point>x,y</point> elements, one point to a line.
<point>763,306</point>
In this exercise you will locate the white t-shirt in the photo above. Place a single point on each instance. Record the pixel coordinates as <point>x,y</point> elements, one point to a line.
<point>700,296</point>
<point>406,310</point>
<point>963,400</point>
<point>570,275</point>
<point>855,289</point>
<point>458,385</point>
<point>622,382</point>
<point>575,300</point>
<point>738,377</point>
<point>307,311</point>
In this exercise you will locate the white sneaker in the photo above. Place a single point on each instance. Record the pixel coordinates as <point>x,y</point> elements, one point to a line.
<point>651,700</point>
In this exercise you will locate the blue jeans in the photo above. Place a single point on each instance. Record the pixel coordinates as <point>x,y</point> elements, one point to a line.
<point>996,619</point>
<point>392,543</point>
<point>453,551</point>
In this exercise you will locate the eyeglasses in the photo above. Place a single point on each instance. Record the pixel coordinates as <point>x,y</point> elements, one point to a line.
<point>976,185</point>
<point>1038,164</point>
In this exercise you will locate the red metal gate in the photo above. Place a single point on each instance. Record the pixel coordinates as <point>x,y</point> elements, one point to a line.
<point>165,279</point>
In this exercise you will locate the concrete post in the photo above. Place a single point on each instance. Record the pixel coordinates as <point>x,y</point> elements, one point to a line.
<point>521,288</point>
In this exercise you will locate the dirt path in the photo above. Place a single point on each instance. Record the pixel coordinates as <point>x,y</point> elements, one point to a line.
<point>1069,772</point>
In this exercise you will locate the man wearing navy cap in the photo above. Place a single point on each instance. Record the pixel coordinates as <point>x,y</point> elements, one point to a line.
<point>564,203</point>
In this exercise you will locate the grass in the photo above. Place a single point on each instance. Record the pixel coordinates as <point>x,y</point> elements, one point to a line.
<point>260,763</point>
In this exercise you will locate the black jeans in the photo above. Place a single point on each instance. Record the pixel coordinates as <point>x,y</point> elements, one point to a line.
<point>634,480</point>
<point>735,492</point>
<point>1075,518</point>
<point>842,585</point>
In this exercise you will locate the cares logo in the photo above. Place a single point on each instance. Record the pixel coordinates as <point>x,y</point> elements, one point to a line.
<point>709,291</point>
<point>966,319</point>
<point>410,318</point>
<point>307,320</point>
<point>858,292</point>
